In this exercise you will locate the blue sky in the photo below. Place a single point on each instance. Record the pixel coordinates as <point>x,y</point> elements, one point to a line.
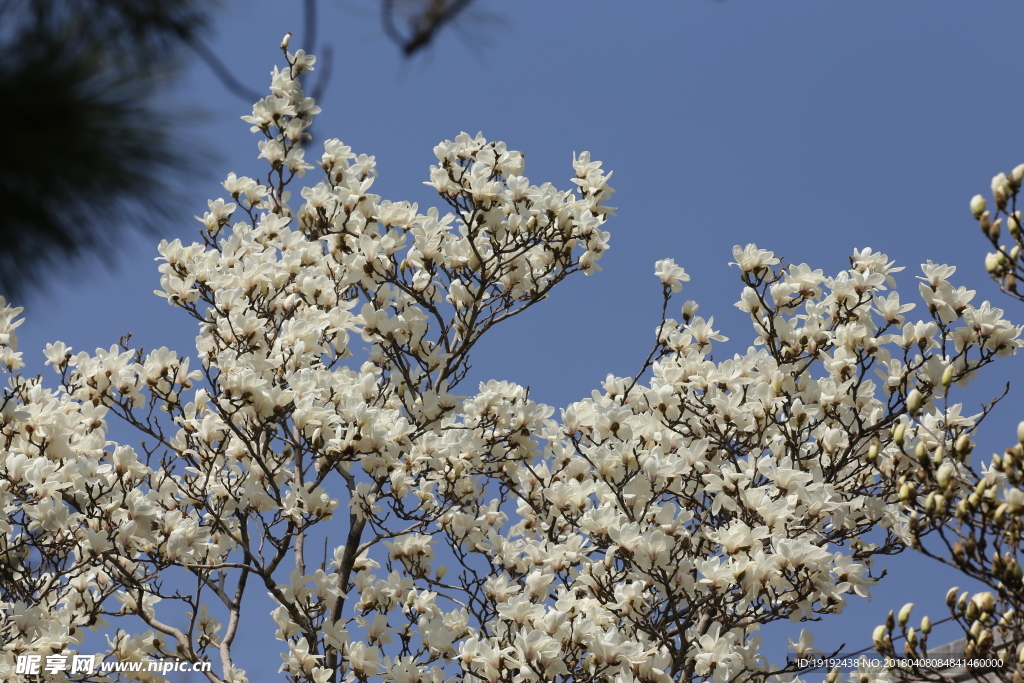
<point>810,128</point>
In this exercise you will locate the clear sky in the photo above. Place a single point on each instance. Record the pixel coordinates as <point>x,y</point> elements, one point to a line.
<point>810,128</point>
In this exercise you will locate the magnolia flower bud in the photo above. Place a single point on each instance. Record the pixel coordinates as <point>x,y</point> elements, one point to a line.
<point>908,493</point>
<point>947,376</point>
<point>1000,189</point>
<point>904,615</point>
<point>1017,174</point>
<point>945,475</point>
<point>1013,223</point>
<point>993,230</point>
<point>1020,432</point>
<point>879,637</point>
<point>976,627</point>
<point>873,452</point>
<point>994,263</point>
<point>972,613</point>
<point>1000,512</point>
<point>986,602</point>
<point>689,309</point>
<point>898,433</point>
<point>978,204</point>
<point>926,625</point>
<point>1012,456</point>
<point>288,38</point>
<point>963,445</point>
<point>914,400</point>
<point>951,596</point>
<point>921,453</point>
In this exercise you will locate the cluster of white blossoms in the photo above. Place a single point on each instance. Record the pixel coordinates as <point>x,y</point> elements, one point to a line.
<point>1005,265</point>
<point>976,508</point>
<point>409,535</point>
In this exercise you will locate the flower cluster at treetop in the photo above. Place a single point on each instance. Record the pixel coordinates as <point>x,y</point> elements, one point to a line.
<point>411,535</point>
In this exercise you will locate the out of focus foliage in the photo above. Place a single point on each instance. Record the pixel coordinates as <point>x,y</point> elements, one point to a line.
<point>413,24</point>
<point>91,156</point>
<point>94,156</point>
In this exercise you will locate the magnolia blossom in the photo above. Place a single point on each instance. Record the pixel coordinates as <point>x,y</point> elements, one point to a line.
<point>646,533</point>
<point>671,275</point>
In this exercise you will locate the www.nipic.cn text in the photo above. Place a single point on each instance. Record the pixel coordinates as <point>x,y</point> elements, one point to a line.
<point>37,665</point>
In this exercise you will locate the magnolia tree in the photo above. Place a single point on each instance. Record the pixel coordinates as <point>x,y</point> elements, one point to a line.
<point>976,512</point>
<point>411,535</point>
